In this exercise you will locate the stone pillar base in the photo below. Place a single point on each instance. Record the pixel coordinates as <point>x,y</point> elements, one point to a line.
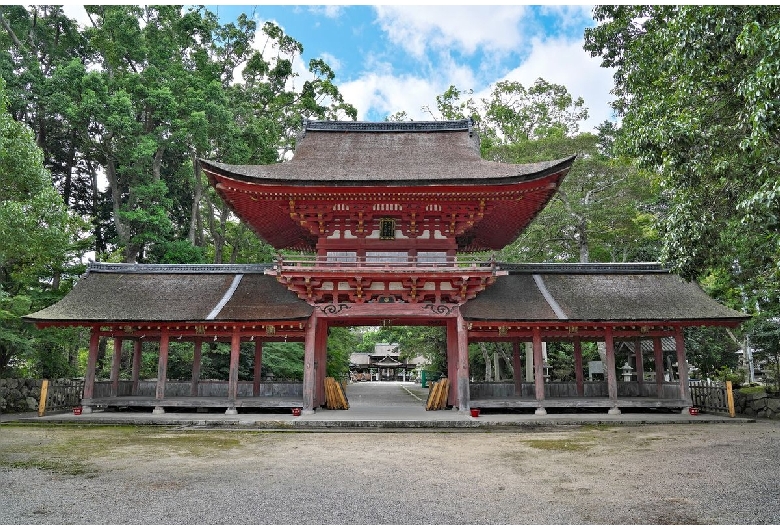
<point>614,410</point>
<point>540,411</point>
<point>306,412</point>
<point>86,410</point>
<point>231,410</point>
<point>158,410</point>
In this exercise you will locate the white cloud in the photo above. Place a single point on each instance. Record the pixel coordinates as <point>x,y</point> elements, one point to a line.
<point>566,63</point>
<point>420,28</point>
<point>329,11</point>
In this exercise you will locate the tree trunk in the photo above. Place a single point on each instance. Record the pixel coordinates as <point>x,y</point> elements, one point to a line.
<point>486,357</point>
<point>131,251</point>
<point>195,234</point>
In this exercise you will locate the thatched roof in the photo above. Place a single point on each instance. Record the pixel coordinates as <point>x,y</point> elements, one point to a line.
<point>593,295</point>
<point>136,293</point>
<point>387,153</point>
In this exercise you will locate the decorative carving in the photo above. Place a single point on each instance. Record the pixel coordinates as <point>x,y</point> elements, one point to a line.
<point>334,309</point>
<point>503,331</point>
<point>440,309</point>
<point>270,330</point>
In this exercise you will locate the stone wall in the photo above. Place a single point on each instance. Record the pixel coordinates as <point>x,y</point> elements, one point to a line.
<point>19,395</point>
<point>759,405</point>
<point>23,395</point>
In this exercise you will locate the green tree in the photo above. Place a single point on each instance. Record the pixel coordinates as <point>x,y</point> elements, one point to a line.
<point>38,236</point>
<point>696,88</point>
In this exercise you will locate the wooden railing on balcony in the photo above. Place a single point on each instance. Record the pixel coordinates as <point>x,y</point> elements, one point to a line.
<point>386,261</point>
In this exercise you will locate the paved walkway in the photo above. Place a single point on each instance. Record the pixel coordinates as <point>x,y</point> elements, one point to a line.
<point>372,406</point>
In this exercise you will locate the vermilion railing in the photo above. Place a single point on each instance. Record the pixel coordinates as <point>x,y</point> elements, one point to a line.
<point>388,261</point>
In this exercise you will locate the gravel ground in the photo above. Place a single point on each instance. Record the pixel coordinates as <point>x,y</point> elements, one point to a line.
<point>654,474</point>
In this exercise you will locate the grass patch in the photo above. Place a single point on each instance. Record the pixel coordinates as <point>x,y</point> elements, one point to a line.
<point>55,466</point>
<point>749,390</point>
<point>558,445</point>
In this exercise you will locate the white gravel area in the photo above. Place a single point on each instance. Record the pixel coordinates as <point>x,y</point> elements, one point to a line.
<point>654,474</point>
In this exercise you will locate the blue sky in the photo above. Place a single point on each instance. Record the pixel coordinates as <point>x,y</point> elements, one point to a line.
<point>399,58</point>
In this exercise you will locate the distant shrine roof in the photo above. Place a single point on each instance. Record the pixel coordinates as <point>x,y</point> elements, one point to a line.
<point>344,153</point>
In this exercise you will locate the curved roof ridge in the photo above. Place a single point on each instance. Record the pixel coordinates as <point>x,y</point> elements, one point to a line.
<point>389,126</point>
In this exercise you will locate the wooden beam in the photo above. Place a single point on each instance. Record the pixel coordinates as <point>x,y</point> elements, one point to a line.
<point>321,360</point>
<point>308,364</point>
<point>463,395</point>
<point>452,361</point>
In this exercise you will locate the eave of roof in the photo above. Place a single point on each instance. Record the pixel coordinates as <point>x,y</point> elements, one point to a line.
<point>119,293</point>
<point>597,296</point>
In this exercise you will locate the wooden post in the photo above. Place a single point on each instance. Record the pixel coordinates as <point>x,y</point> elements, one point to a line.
<point>162,372</point>
<point>89,376</point>
<point>538,371</point>
<point>116,361</point>
<point>42,399</point>
<point>682,367</point>
<point>235,353</point>
<point>136,370</point>
<point>611,370</point>
<point>640,366</point>
<point>308,365</point>
<point>197,354</point>
<point>578,370</point>
<point>464,394</point>
<point>730,399</point>
<point>516,368</point>
<point>258,368</point>
<point>658,354</point>
<point>321,361</point>
<point>452,361</point>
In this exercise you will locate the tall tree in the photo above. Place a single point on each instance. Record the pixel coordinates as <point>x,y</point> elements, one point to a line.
<point>38,237</point>
<point>696,88</point>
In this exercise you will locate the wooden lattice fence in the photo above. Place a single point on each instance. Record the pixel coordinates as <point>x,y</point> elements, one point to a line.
<point>712,396</point>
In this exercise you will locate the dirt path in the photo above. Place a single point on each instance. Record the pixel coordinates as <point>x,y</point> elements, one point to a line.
<point>710,474</point>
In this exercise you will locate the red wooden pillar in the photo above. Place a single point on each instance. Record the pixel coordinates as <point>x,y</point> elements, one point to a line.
<point>658,353</point>
<point>538,371</point>
<point>136,370</point>
<point>516,368</point>
<point>116,361</point>
<point>308,364</point>
<point>162,371</point>
<point>464,395</point>
<point>682,367</point>
<point>89,376</point>
<point>452,361</point>
<point>197,353</point>
<point>258,368</point>
<point>640,366</point>
<point>235,352</point>
<point>611,370</point>
<point>578,370</point>
<point>321,361</point>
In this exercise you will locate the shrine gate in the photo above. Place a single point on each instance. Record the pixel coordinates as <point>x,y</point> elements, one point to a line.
<point>393,224</point>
